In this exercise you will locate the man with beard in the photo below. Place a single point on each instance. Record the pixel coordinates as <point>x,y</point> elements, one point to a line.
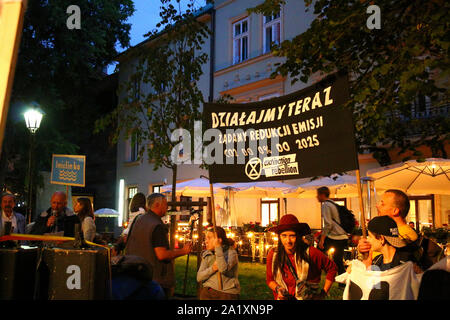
<point>8,215</point>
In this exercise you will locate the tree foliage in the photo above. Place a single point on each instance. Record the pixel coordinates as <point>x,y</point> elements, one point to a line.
<point>161,94</point>
<point>59,68</point>
<point>389,68</point>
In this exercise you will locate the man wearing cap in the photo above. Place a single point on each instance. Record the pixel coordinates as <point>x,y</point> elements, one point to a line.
<point>8,215</point>
<point>384,238</point>
<point>293,269</point>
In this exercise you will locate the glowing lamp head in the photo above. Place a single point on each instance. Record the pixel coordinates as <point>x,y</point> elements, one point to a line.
<point>331,251</point>
<point>33,119</point>
<point>250,234</point>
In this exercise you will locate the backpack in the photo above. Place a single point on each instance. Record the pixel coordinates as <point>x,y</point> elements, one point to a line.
<point>346,216</point>
<point>430,252</point>
<point>133,266</point>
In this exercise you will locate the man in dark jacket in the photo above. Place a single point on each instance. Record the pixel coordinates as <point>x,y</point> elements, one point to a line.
<point>148,238</point>
<point>8,215</point>
<point>57,218</point>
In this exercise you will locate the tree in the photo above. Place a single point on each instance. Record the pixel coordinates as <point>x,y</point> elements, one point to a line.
<point>170,63</point>
<point>389,69</point>
<point>57,68</point>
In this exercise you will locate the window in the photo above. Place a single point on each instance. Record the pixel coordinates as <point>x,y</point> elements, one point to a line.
<point>269,210</point>
<point>271,31</point>
<point>240,41</point>
<point>136,89</point>
<point>340,201</point>
<point>421,211</point>
<point>132,149</point>
<point>156,188</point>
<point>132,192</point>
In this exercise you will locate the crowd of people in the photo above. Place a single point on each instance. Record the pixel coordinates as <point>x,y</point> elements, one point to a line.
<point>293,267</point>
<point>57,219</point>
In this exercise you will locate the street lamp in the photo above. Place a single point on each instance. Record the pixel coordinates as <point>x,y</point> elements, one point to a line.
<point>33,119</point>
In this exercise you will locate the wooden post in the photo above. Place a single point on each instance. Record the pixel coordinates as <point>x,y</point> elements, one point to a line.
<point>213,216</point>
<point>200,236</point>
<point>199,243</point>
<point>361,205</point>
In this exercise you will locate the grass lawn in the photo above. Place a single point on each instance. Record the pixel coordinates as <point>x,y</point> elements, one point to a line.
<point>252,277</point>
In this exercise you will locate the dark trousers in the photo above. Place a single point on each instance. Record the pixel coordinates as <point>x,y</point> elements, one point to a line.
<point>338,256</point>
<point>211,294</point>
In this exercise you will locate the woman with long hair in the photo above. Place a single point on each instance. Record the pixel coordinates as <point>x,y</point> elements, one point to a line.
<point>83,209</point>
<point>293,269</point>
<point>219,256</point>
<point>137,206</point>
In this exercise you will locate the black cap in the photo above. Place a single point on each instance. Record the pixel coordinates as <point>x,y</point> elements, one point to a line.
<point>386,226</point>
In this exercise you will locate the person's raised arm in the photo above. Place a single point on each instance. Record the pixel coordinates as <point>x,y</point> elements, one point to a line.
<point>204,272</point>
<point>222,264</point>
<point>364,248</point>
<point>164,254</point>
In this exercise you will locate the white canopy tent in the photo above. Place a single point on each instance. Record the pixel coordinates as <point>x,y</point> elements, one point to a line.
<point>415,178</point>
<point>194,188</point>
<point>106,212</point>
<point>261,189</point>
<point>341,186</point>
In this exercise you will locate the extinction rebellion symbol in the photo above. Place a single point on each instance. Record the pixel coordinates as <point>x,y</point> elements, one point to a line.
<point>253,168</point>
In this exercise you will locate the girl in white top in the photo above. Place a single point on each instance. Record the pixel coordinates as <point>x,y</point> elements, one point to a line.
<point>83,208</point>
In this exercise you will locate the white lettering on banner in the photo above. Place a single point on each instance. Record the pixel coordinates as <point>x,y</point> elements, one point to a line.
<point>234,119</point>
<point>280,165</point>
<point>73,281</point>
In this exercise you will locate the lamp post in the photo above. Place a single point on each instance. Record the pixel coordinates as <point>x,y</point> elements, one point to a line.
<point>33,119</point>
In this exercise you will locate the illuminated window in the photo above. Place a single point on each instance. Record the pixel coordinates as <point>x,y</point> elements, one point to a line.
<point>131,192</point>
<point>340,201</point>
<point>156,188</point>
<point>269,210</point>
<point>421,211</point>
<point>240,41</point>
<point>271,31</point>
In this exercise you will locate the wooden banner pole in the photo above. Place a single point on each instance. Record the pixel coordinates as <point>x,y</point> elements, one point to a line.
<point>213,216</point>
<point>361,205</point>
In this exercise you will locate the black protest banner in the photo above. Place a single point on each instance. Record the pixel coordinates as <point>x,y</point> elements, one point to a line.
<point>303,134</point>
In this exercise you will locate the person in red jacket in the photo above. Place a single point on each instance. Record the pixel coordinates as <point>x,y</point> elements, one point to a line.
<point>293,269</point>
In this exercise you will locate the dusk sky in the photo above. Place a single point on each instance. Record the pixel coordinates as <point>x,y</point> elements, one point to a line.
<point>144,19</point>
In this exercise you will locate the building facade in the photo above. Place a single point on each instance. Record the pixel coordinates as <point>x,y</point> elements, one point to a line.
<point>240,64</point>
